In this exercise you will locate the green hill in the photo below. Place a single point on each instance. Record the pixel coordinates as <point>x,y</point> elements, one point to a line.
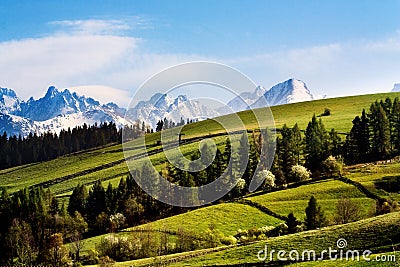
<point>107,163</point>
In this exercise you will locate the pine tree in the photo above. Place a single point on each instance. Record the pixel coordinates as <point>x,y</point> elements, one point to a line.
<point>286,154</point>
<point>364,145</point>
<point>297,143</point>
<point>96,202</point>
<point>380,146</point>
<point>78,200</point>
<point>316,140</point>
<point>254,159</point>
<point>314,215</point>
<point>395,125</point>
<point>335,146</point>
<point>292,223</point>
<point>242,164</point>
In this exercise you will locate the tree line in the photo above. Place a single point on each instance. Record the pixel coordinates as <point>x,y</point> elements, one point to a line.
<point>375,135</point>
<point>17,150</point>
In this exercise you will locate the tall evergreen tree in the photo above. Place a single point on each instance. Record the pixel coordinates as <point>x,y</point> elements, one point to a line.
<point>395,125</point>
<point>77,200</point>
<point>314,215</point>
<point>316,143</point>
<point>96,202</point>
<point>380,146</point>
<point>287,156</point>
<point>297,143</point>
<point>335,146</point>
<point>242,164</point>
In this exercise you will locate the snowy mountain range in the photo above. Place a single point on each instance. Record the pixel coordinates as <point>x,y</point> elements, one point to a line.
<point>162,106</point>
<point>290,91</point>
<point>58,110</point>
<point>55,111</point>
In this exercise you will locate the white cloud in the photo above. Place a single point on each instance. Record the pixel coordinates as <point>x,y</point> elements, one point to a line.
<point>30,65</point>
<point>88,52</point>
<point>104,94</point>
<point>335,69</point>
<point>101,26</point>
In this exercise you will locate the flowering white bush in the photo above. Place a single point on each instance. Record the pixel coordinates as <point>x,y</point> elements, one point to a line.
<point>117,220</point>
<point>332,167</point>
<point>299,173</point>
<point>241,184</point>
<point>268,179</point>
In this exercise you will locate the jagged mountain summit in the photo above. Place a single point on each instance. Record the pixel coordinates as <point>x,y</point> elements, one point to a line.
<point>161,106</point>
<point>55,111</point>
<point>290,91</point>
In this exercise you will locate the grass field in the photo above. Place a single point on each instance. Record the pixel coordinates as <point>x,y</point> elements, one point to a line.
<point>374,234</point>
<point>225,217</point>
<point>343,111</point>
<point>108,165</point>
<point>327,193</point>
<point>229,217</point>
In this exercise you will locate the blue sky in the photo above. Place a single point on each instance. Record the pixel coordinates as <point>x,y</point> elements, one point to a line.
<point>335,47</point>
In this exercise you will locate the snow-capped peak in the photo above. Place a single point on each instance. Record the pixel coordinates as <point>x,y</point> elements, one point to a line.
<point>7,92</point>
<point>51,92</point>
<point>290,91</point>
<point>161,106</point>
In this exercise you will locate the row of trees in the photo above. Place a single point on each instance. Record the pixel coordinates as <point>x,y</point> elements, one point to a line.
<point>15,151</point>
<point>375,134</point>
<point>166,124</point>
<point>311,150</point>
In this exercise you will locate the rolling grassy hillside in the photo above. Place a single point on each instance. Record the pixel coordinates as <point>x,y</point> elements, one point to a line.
<point>327,194</point>
<point>108,165</point>
<point>375,234</point>
<point>110,160</point>
<point>225,217</point>
<point>229,217</point>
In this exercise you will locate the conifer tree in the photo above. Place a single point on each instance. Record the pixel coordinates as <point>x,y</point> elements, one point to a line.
<point>96,202</point>
<point>292,223</point>
<point>286,155</point>
<point>77,200</point>
<point>316,144</point>
<point>395,125</point>
<point>315,217</point>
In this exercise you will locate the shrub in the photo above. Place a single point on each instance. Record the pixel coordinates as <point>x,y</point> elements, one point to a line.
<point>119,248</point>
<point>106,262</point>
<point>347,211</point>
<point>332,167</point>
<point>299,173</point>
<point>268,179</point>
<point>327,112</point>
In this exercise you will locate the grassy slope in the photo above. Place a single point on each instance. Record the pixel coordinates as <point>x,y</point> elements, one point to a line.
<point>343,111</point>
<point>229,217</point>
<point>327,194</point>
<point>226,217</point>
<point>372,234</point>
